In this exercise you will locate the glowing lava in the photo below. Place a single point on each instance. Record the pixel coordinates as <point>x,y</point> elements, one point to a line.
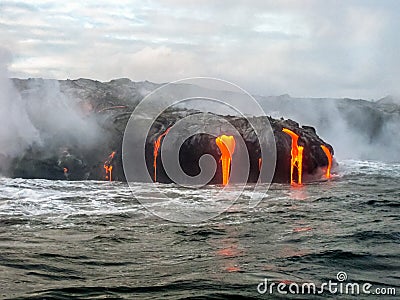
<point>108,172</point>
<point>329,156</point>
<point>65,170</point>
<point>297,157</point>
<point>226,145</point>
<point>157,145</point>
<point>108,167</point>
<point>259,164</point>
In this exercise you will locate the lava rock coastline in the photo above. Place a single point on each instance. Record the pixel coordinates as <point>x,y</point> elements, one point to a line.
<point>315,160</point>
<point>104,161</point>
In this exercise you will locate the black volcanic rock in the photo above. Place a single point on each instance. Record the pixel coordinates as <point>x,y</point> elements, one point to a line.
<point>37,163</point>
<point>197,145</point>
<point>109,105</point>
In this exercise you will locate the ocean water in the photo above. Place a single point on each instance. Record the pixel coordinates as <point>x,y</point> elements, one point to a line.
<point>93,240</point>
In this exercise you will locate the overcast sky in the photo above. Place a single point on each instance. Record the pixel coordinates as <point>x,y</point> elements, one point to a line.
<point>303,48</point>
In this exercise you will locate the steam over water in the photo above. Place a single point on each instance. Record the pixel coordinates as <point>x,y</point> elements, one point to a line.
<point>88,240</point>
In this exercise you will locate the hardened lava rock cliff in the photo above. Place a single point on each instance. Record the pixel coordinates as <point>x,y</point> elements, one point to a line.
<point>97,154</point>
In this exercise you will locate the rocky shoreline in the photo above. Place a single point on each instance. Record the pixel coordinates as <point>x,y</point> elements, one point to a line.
<point>67,162</point>
<point>88,152</point>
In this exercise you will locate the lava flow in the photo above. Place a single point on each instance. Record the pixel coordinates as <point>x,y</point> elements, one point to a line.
<point>329,156</point>
<point>108,167</point>
<point>226,145</point>
<point>297,157</point>
<point>157,145</point>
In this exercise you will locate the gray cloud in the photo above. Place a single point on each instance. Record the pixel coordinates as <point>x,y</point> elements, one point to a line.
<point>304,48</point>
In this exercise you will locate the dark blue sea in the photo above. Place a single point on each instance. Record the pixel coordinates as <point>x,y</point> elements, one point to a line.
<point>93,240</point>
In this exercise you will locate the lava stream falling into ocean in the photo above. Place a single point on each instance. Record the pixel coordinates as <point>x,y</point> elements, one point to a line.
<point>226,145</point>
<point>108,167</point>
<point>329,156</point>
<point>297,157</point>
<point>299,160</point>
<point>157,145</point>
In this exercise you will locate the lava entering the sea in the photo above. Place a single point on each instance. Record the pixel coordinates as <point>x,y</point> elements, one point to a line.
<point>108,167</point>
<point>329,157</point>
<point>226,144</point>
<point>297,157</point>
<point>157,145</point>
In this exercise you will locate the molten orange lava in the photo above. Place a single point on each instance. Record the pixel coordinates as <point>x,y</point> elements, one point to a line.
<point>65,170</point>
<point>297,157</point>
<point>226,145</point>
<point>108,167</point>
<point>259,164</point>
<point>329,156</point>
<point>108,171</point>
<point>157,145</point>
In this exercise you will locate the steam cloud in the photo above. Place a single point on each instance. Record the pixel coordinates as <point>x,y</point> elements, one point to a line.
<point>17,131</point>
<point>356,129</point>
<point>41,116</point>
